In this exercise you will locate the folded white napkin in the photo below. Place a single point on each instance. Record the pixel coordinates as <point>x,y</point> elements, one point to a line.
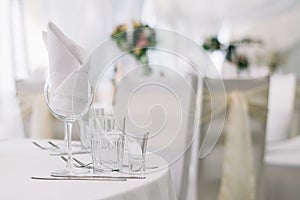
<point>68,64</point>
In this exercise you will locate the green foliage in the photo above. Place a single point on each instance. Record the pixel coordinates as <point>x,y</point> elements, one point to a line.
<point>231,54</point>
<point>136,42</point>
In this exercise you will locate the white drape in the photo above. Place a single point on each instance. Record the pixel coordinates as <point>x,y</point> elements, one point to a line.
<point>34,108</point>
<point>10,119</point>
<point>242,157</point>
<point>295,129</point>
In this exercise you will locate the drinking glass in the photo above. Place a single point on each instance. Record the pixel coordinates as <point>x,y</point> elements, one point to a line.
<point>83,129</point>
<point>68,98</point>
<point>107,144</point>
<point>137,146</point>
<point>107,150</point>
<point>103,123</point>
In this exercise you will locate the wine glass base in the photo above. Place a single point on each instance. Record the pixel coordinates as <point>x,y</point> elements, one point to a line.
<point>70,172</point>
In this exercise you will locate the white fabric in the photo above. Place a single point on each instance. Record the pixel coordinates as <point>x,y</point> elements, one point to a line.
<point>68,67</point>
<point>282,169</point>
<point>283,152</point>
<point>238,176</point>
<point>41,126</point>
<point>20,160</point>
<point>10,117</point>
<point>11,125</point>
<point>33,107</point>
<point>192,123</point>
<point>37,119</point>
<point>164,106</point>
<point>65,58</point>
<point>281,106</point>
<point>295,128</point>
<point>237,182</point>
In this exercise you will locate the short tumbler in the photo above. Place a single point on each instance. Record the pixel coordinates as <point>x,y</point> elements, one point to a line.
<point>107,150</point>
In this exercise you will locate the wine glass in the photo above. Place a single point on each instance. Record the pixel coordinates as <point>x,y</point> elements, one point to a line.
<point>68,97</point>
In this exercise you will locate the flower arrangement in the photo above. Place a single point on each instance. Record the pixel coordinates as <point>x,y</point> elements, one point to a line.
<point>232,54</point>
<point>136,42</point>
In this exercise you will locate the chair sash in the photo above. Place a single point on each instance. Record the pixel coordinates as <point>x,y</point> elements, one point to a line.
<point>238,179</point>
<point>33,106</point>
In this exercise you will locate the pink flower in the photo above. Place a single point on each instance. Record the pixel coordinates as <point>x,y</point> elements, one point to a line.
<point>143,42</point>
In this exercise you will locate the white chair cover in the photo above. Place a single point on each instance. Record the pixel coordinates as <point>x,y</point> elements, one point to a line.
<point>11,125</point>
<point>281,106</point>
<point>36,117</point>
<point>295,128</point>
<point>233,169</point>
<point>38,121</point>
<point>164,106</point>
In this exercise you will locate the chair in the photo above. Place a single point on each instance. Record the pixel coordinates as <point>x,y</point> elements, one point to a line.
<point>282,105</point>
<point>295,128</point>
<point>233,168</point>
<point>37,120</point>
<point>11,126</point>
<point>164,106</point>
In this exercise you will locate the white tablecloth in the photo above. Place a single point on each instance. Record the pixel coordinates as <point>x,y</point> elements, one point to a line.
<point>19,160</point>
<point>282,170</point>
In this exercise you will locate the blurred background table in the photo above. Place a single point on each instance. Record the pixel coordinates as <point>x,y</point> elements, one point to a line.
<point>282,169</point>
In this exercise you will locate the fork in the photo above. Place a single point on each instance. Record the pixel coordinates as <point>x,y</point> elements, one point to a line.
<point>40,146</point>
<point>54,145</point>
<point>79,163</point>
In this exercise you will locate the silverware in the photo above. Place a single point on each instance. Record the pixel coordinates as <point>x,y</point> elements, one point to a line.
<point>103,176</point>
<point>73,178</point>
<point>40,146</point>
<point>74,153</point>
<point>81,164</point>
<point>147,167</point>
<point>124,126</point>
<point>54,145</point>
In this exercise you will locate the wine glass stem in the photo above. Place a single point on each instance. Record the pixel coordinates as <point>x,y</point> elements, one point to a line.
<point>65,142</point>
<point>68,130</point>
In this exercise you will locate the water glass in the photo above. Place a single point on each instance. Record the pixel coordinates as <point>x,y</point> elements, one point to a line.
<point>103,123</point>
<point>137,146</point>
<point>83,126</point>
<point>107,150</point>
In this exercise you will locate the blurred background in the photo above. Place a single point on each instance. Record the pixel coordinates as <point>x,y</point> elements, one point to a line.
<point>91,22</point>
<point>250,37</point>
<point>24,61</point>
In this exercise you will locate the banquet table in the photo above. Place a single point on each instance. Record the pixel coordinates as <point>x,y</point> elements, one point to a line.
<point>282,169</point>
<point>20,160</point>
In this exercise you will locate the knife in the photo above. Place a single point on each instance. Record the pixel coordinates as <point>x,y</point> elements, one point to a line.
<point>102,176</point>
<point>74,178</point>
<point>74,153</point>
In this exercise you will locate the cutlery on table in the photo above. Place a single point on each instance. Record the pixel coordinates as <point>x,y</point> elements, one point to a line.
<point>74,153</point>
<point>40,146</point>
<point>81,164</point>
<point>89,167</point>
<point>147,167</point>
<point>54,145</point>
<point>73,178</point>
<point>103,176</point>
